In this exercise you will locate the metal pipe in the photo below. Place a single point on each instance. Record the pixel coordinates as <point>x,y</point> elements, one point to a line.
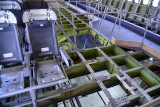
<point>144,34</point>
<point>108,13</point>
<point>75,38</point>
<point>72,1</point>
<point>120,18</point>
<point>31,88</point>
<point>112,31</point>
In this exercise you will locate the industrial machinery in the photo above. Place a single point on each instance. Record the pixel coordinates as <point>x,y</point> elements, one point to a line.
<point>79,53</point>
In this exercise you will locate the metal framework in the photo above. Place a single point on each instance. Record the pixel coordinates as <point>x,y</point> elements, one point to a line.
<point>122,76</point>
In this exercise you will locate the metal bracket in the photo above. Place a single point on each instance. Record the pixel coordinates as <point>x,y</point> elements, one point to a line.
<point>126,83</point>
<point>67,87</point>
<point>66,57</point>
<point>11,79</point>
<point>7,5</point>
<point>102,78</point>
<point>49,73</point>
<point>89,62</point>
<point>7,17</point>
<point>24,99</point>
<point>39,14</point>
<point>122,100</point>
<point>26,65</point>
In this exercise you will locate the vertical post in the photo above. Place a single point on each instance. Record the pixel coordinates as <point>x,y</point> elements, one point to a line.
<point>89,12</point>
<point>101,5</point>
<point>33,96</point>
<point>144,34</point>
<point>126,8</point>
<point>100,25</point>
<point>139,2</point>
<point>98,8</point>
<point>103,18</point>
<point>122,4</point>
<point>60,15</point>
<point>94,10</point>
<point>69,3</point>
<point>119,20</point>
<point>75,39</point>
<point>112,30</point>
<point>76,6</point>
<point>157,14</point>
<point>86,6</point>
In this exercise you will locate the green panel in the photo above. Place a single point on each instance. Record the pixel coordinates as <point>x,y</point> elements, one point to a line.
<point>112,51</point>
<point>104,65</point>
<point>80,25</point>
<point>82,31</point>
<point>132,9</point>
<point>111,82</point>
<point>143,58</point>
<point>83,17</point>
<point>155,93</point>
<point>145,76</point>
<point>142,101</point>
<point>70,32</point>
<point>134,73</point>
<point>155,69</point>
<point>87,21</point>
<point>74,56</point>
<point>61,39</point>
<point>149,79</point>
<point>76,71</point>
<point>125,62</point>
<point>119,4</point>
<point>141,9</point>
<point>62,19</point>
<point>67,26</point>
<point>64,22</point>
<point>73,18</point>
<point>75,92</point>
<point>140,56</point>
<point>66,47</point>
<point>115,3</point>
<point>104,2</point>
<point>103,41</point>
<point>128,6</point>
<point>108,2</point>
<point>152,10</point>
<point>114,81</point>
<point>77,21</point>
<point>91,54</point>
